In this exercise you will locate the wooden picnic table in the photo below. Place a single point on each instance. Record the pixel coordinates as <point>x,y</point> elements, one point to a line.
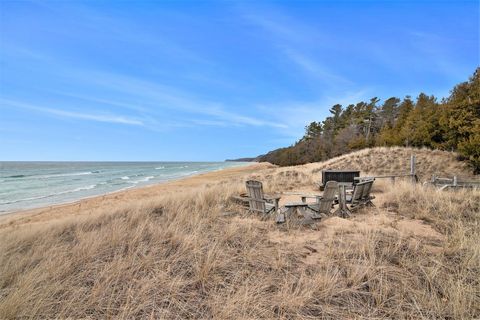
<point>295,208</point>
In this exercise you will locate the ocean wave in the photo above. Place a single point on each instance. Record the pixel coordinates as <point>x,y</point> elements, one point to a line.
<point>15,176</point>
<point>179,167</point>
<point>188,173</point>
<point>19,176</point>
<point>70,174</point>
<point>146,179</point>
<point>160,168</point>
<point>50,195</point>
<point>125,178</point>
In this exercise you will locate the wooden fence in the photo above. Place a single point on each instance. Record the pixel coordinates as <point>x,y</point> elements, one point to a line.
<point>412,175</point>
<point>453,183</point>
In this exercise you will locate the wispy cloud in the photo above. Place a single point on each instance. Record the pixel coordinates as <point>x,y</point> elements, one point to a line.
<point>297,114</point>
<point>240,119</point>
<point>109,118</point>
<point>294,40</point>
<point>314,68</point>
<point>102,25</point>
<point>148,99</point>
<point>94,117</point>
<point>144,97</point>
<point>284,27</point>
<point>439,50</point>
<point>157,96</point>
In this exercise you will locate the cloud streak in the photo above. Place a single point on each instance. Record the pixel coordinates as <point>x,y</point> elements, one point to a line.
<point>160,96</point>
<point>294,40</point>
<point>298,114</point>
<point>314,68</point>
<point>109,118</point>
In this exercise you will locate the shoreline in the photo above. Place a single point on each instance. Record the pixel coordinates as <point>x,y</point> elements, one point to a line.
<point>90,204</point>
<point>5,213</point>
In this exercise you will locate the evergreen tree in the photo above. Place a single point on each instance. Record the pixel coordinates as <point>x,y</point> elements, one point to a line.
<point>461,119</point>
<point>313,130</point>
<point>453,124</point>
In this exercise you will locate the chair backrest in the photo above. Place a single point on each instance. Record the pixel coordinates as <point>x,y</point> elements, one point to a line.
<point>325,203</point>
<point>367,189</point>
<point>358,191</point>
<point>255,192</point>
<point>345,176</point>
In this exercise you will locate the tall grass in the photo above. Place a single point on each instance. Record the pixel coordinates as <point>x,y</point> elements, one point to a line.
<point>178,256</point>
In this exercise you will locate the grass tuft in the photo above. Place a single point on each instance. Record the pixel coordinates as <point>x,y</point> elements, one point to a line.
<point>176,256</point>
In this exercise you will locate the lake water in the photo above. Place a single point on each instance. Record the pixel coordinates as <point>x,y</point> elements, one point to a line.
<point>25,185</point>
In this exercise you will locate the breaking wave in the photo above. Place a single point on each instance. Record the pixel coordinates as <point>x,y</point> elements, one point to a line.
<point>50,195</point>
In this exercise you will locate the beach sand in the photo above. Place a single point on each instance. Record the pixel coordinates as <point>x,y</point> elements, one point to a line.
<point>170,251</point>
<point>113,200</point>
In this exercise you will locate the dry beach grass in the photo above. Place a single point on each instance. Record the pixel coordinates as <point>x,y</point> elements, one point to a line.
<point>175,255</point>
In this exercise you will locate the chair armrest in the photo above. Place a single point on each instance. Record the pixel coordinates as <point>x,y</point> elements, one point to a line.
<point>271,197</point>
<point>311,196</point>
<point>255,200</point>
<point>275,201</point>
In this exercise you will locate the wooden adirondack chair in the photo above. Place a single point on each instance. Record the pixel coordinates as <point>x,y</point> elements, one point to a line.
<point>258,202</point>
<point>323,206</point>
<point>360,197</point>
<point>310,211</point>
<point>366,197</point>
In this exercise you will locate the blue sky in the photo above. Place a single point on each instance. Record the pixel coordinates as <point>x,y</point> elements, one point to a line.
<point>205,80</point>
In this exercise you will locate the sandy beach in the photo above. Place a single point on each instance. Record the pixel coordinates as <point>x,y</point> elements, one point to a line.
<point>169,251</point>
<point>112,200</point>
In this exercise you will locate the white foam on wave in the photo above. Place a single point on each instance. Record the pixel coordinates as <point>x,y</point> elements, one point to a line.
<point>81,188</point>
<point>67,174</point>
<point>186,174</point>
<point>125,178</point>
<point>160,168</point>
<point>146,179</point>
<point>50,195</point>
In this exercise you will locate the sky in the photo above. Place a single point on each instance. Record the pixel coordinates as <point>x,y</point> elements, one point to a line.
<point>211,80</point>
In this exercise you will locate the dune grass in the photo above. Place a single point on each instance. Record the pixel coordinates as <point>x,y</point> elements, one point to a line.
<point>416,255</point>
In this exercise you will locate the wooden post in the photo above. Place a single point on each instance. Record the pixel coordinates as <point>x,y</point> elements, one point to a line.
<point>455,181</point>
<point>393,180</point>
<point>343,210</point>
<point>412,167</point>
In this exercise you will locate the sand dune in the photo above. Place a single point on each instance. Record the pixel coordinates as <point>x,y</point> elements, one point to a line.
<point>168,251</point>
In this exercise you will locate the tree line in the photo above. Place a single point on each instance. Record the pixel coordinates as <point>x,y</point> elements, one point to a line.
<point>452,124</point>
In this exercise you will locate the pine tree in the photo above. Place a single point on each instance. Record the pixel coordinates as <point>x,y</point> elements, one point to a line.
<point>461,119</point>
<point>453,124</point>
<point>419,127</point>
